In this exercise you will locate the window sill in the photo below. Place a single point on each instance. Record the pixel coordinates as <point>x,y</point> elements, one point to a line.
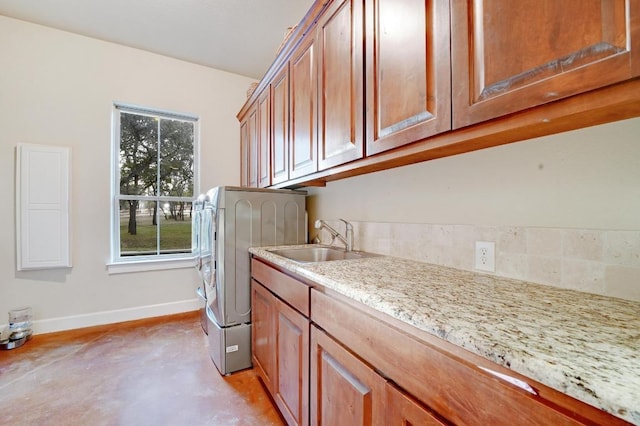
<point>149,265</point>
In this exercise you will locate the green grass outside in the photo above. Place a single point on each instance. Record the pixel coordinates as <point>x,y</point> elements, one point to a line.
<point>174,235</point>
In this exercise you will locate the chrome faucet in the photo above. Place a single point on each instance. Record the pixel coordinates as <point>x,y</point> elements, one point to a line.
<point>347,240</point>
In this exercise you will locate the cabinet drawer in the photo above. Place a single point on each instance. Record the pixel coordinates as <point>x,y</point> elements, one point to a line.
<point>292,291</point>
<point>402,409</point>
<point>459,385</point>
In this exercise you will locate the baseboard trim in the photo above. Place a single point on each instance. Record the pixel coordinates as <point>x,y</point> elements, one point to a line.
<point>110,317</point>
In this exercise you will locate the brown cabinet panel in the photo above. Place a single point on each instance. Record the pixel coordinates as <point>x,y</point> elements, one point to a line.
<point>294,292</point>
<point>244,153</point>
<point>303,103</point>
<point>263,305</point>
<point>345,390</point>
<point>403,410</point>
<point>408,73</point>
<point>509,56</point>
<point>280,127</point>
<point>264,140</point>
<point>340,80</point>
<point>292,349</point>
<point>252,132</point>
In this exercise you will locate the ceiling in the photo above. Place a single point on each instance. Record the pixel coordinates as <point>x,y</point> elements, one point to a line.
<point>239,36</point>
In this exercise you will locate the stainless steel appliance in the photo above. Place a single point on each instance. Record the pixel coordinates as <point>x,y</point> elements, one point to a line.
<point>232,220</point>
<point>196,226</point>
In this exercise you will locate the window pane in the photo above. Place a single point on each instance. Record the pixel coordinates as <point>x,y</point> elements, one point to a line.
<point>176,158</point>
<point>175,227</point>
<point>138,232</point>
<point>138,154</point>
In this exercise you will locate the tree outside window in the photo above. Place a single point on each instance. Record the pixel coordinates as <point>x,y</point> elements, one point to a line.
<point>156,183</point>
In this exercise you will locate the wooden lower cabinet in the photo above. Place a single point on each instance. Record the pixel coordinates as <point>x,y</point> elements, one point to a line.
<point>328,360</point>
<point>461,387</point>
<point>263,306</point>
<point>344,390</point>
<point>280,342</point>
<point>292,364</point>
<point>403,410</point>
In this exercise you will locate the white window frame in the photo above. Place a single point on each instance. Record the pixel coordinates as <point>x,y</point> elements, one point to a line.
<point>123,264</point>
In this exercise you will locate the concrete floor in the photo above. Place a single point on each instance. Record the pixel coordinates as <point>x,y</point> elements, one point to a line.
<point>147,372</point>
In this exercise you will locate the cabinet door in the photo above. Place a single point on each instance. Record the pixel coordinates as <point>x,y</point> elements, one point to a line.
<point>408,73</point>
<point>345,390</point>
<point>292,394</point>
<point>280,127</point>
<point>508,56</point>
<point>402,410</point>
<point>244,153</point>
<point>252,132</point>
<point>304,124</point>
<point>340,77</point>
<point>264,139</point>
<point>263,343</point>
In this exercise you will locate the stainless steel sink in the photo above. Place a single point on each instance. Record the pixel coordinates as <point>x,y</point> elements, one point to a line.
<point>320,254</point>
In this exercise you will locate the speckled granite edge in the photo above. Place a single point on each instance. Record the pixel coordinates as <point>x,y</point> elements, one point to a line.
<point>581,344</point>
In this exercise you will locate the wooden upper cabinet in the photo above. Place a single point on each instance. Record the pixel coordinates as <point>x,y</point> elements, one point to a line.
<point>244,153</point>
<point>264,139</point>
<point>508,56</point>
<point>408,73</point>
<point>280,127</point>
<point>340,83</point>
<point>361,80</point>
<point>253,145</point>
<point>303,104</point>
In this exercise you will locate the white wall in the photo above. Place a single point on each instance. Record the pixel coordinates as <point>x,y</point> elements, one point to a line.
<point>58,88</point>
<point>588,178</point>
<point>563,210</point>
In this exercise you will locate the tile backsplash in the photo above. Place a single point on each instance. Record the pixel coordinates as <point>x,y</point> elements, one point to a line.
<point>595,261</point>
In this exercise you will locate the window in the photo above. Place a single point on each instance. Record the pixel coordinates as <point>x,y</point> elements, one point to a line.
<point>154,182</point>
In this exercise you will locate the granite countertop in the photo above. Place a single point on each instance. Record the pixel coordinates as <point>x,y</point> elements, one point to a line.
<point>581,344</point>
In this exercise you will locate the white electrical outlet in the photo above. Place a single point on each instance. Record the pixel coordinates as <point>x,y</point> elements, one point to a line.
<point>486,256</point>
